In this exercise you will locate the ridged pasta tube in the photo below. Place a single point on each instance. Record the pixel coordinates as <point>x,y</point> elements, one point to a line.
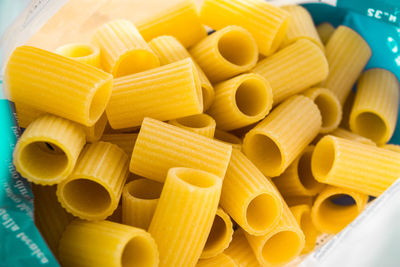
<point>241,101</point>
<point>278,140</point>
<point>330,217</point>
<point>392,147</point>
<point>325,31</point>
<point>376,106</point>
<point>106,244</point>
<point>184,215</point>
<point>340,132</point>
<point>347,106</point>
<point>302,213</point>
<point>125,141</point>
<point>94,133</point>
<point>221,260</point>
<point>85,53</point>
<point>48,149</point>
<point>218,56</point>
<point>94,188</point>
<point>267,23</point>
<point>201,123</point>
<point>69,88</point>
<point>299,200</point>
<point>293,69</point>
<point>161,146</point>
<point>228,138</point>
<point>240,251</point>
<point>168,92</point>
<point>123,49</point>
<point>363,168</point>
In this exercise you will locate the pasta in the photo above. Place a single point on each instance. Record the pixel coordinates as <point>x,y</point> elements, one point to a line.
<point>301,26</point>
<point>347,106</point>
<point>201,123</point>
<point>241,101</point>
<point>293,69</point>
<point>168,49</point>
<point>302,213</point>
<point>221,260</point>
<point>184,215</point>
<point>220,235</point>
<point>161,146</point>
<point>48,149</point>
<point>329,106</point>
<point>106,244</point>
<point>85,53</point>
<point>325,31</point>
<point>180,20</point>
<point>94,188</point>
<point>26,114</point>
<point>363,168</point>
<point>267,23</point>
<point>218,54</point>
<point>392,147</point>
<point>278,140</point>
<point>297,179</point>
<point>329,216</point>
<point>125,141</point>
<point>116,216</point>
<point>240,251</point>
<point>73,90</point>
<point>177,94</point>
<point>249,197</point>
<point>299,200</point>
<point>376,106</point>
<point>228,138</point>
<point>94,133</point>
<point>347,54</point>
<point>139,201</point>
<point>340,132</point>
<point>123,49</point>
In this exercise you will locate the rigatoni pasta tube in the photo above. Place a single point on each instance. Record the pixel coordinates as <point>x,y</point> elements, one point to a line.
<point>347,106</point>
<point>218,56</point>
<point>119,245</point>
<point>293,69</point>
<point>297,179</point>
<point>249,197</point>
<point>392,147</point>
<point>26,114</point>
<point>139,201</point>
<point>299,200</point>
<point>277,140</point>
<point>85,53</point>
<point>340,132</point>
<point>302,213</point>
<point>325,31</point>
<point>161,146</point>
<point>228,138</point>
<point>123,49</point>
<point>180,20</point>
<point>267,23</point>
<point>376,106</point>
<point>330,217</point>
<point>94,188</point>
<point>220,235</point>
<point>168,49</point>
<point>95,132</point>
<point>70,89</point>
<point>363,168</point>
<point>240,251</point>
<point>168,92</point>
<point>201,123</point>
<point>184,215</point>
<point>48,149</point>
<point>125,141</point>
<point>241,101</point>
<point>221,260</point>
<point>347,54</point>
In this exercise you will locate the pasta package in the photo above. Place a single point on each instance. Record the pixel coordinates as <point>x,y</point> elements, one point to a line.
<point>168,92</point>
<point>302,213</point>
<point>240,251</point>
<point>85,53</point>
<point>184,215</point>
<point>71,89</point>
<point>201,123</point>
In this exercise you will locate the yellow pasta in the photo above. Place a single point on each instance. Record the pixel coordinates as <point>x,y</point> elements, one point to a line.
<point>125,141</point>
<point>168,49</point>
<point>66,87</point>
<point>325,31</point>
<point>48,149</point>
<point>240,251</point>
<point>301,26</point>
<point>106,244</point>
<point>299,200</point>
<point>302,213</point>
<point>281,244</point>
<point>94,188</point>
<point>221,260</point>
<point>293,69</point>
<point>94,133</point>
<point>347,106</point>
<point>329,216</point>
<point>161,146</point>
<point>117,215</point>
<point>201,123</point>
<point>363,168</point>
<point>278,140</point>
<point>26,114</point>
<point>392,147</point>
<point>139,201</point>
<point>220,235</point>
<point>123,49</point>
<point>184,215</point>
<point>340,132</point>
<point>329,106</point>
<point>297,179</point>
<point>85,53</point>
<point>376,106</point>
<point>267,23</point>
<point>218,54</point>
<point>180,20</point>
<point>241,101</point>
<point>347,54</point>
<point>228,138</point>
<point>168,92</point>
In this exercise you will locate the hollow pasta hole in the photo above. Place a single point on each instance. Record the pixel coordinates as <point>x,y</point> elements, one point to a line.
<point>195,121</point>
<point>237,48</point>
<point>304,171</point>
<point>145,189</point>
<point>251,97</point>
<point>217,233</point>
<point>262,212</point>
<point>195,177</point>
<point>328,108</point>
<point>135,61</point>
<point>138,252</point>
<point>370,125</point>
<point>99,102</point>
<point>281,247</point>
<point>323,158</point>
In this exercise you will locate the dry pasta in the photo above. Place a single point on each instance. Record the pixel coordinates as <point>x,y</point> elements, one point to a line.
<point>302,213</point>
<point>125,141</point>
<point>240,251</point>
<point>94,133</point>
<point>347,106</point>
<point>201,123</point>
<point>340,132</point>
<point>85,53</point>
<point>299,200</point>
<point>392,147</point>
<point>221,260</point>
<point>228,138</point>
<point>325,31</point>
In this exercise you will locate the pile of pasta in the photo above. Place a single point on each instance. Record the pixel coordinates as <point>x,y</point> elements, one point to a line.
<point>157,144</point>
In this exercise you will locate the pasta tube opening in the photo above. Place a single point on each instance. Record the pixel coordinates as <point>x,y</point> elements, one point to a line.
<point>99,102</point>
<point>281,247</point>
<point>305,173</point>
<point>138,251</point>
<point>302,213</point>
<point>323,158</point>
<point>251,97</point>
<point>262,212</point>
<point>194,177</point>
<point>135,61</point>
<point>196,121</point>
<point>370,125</point>
<point>144,189</point>
<point>77,50</point>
